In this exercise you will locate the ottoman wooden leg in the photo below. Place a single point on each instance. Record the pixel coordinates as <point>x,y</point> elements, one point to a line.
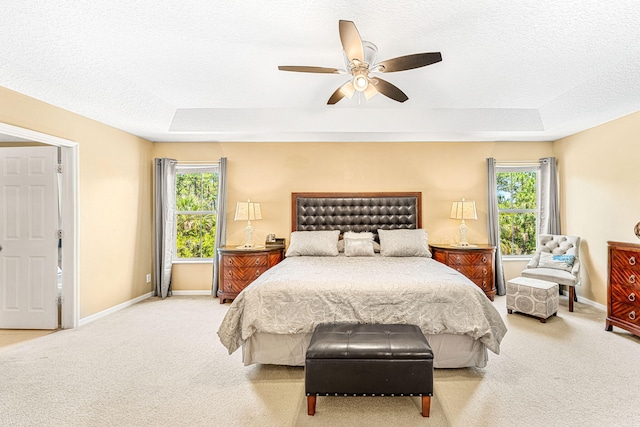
<point>311,405</point>
<point>426,405</point>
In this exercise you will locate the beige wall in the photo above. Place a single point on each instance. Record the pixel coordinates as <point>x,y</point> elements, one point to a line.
<point>114,200</point>
<point>596,179</point>
<point>269,172</point>
<point>599,201</point>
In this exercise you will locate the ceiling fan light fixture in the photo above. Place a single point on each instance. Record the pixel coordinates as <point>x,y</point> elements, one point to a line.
<point>360,82</point>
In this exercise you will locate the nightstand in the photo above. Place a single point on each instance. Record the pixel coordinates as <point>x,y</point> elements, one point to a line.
<point>475,262</point>
<point>240,267</point>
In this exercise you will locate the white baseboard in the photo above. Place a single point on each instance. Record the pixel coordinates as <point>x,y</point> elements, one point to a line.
<point>103,313</point>
<point>190,293</point>
<point>592,303</point>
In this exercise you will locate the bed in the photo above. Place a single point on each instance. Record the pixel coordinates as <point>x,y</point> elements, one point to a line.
<point>273,318</point>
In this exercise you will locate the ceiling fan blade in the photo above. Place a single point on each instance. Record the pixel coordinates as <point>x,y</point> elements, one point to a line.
<point>351,41</point>
<point>346,89</point>
<point>409,62</point>
<point>370,91</point>
<point>389,90</point>
<point>304,69</point>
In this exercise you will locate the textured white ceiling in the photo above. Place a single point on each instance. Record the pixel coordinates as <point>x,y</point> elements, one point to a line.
<point>198,70</point>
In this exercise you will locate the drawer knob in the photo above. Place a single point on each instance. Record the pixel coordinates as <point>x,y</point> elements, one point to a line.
<point>632,260</point>
<point>230,261</point>
<point>257,273</point>
<point>632,315</point>
<point>230,274</point>
<point>257,261</point>
<point>484,271</point>
<point>632,297</point>
<point>632,278</point>
<point>484,258</point>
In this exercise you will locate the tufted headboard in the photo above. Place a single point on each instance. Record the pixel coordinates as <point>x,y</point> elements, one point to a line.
<point>355,211</point>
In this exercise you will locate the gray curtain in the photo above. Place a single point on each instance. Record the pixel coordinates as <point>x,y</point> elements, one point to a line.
<point>164,229</point>
<point>493,228</point>
<point>221,222</point>
<point>549,201</point>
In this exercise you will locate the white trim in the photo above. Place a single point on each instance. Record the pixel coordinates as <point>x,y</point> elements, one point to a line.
<point>70,215</point>
<point>30,135</point>
<point>190,293</point>
<point>103,313</point>
<point>591,303</point>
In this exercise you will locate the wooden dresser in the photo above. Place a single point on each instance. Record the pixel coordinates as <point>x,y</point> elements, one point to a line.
<point>623,287</point>
<point>240,267</point>
<point>474,262</point>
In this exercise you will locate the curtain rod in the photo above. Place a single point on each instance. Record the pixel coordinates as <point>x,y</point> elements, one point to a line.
<point>519,162</point>
<point>198,162</point>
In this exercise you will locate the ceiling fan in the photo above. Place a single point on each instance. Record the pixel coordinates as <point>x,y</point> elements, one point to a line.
<point>360,58</point>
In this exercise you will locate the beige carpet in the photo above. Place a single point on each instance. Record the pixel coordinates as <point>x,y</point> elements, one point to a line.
<point>159,363</point>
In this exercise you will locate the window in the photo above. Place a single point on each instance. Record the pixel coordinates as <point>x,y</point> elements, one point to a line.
<point>195,215</point>
<point>518,209</point>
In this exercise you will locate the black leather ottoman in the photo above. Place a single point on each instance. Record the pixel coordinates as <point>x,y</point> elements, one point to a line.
<point>368,360</point>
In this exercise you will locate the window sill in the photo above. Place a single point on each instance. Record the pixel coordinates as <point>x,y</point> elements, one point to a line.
<point>517,258</point>
<point>193,261</point>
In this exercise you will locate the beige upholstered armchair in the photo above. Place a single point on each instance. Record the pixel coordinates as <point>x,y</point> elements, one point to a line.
<point>557,259</point>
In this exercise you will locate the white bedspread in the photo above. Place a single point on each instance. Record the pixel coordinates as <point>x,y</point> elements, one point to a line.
<point>301,292</point>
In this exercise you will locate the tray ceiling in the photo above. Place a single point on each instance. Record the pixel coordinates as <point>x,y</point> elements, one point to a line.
<point>198,70</point>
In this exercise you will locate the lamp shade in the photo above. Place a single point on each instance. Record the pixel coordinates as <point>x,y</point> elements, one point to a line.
<point>463,210</point>
<point>247,211</point>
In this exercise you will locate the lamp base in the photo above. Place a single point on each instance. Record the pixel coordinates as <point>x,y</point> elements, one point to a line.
<point>463,245</point>
<point>250,247</point>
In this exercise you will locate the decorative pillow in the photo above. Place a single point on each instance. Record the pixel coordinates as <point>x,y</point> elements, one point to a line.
<point>404,243</point>
<point>358,247</point>
<point>376,245</point>
<point>313,243</point>
<point>559,262</point>
<point>353,235</point>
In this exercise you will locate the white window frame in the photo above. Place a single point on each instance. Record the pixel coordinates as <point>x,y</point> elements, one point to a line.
<point>522,168</point>
<point>191,169</point>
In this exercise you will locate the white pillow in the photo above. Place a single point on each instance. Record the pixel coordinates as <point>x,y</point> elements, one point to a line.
<point>559,262</point>
<point>314,243</point>
<point>358,247</point>
<point>376,246</point>
<point>363,235</point>
<point>404,243</point>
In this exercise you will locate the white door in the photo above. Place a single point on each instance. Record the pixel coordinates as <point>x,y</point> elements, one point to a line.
<point>28,238</point>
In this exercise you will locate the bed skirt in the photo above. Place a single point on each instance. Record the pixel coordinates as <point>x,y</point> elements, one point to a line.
<point>449,351</point>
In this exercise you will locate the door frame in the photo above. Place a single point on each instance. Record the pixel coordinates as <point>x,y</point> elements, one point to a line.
<point>70,254</point>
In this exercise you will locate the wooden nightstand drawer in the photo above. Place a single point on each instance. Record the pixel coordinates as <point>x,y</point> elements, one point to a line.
<point>240,261</point>
<point>468,258</point>
<point>474,271</point>
<point>476,263</point>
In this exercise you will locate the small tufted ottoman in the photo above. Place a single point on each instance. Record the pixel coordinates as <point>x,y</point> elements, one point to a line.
<point>373,359</point>
<point>538,298</point>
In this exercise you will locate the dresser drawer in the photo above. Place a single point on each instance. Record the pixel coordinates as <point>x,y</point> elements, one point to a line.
<point>483,283</point>
<point>626,312</point>
<point>624,276</point>
<point>474,271</point>
<point>468,259</point>
<point>628,260</point>
<point>239,261</point>
<point>625,294</point>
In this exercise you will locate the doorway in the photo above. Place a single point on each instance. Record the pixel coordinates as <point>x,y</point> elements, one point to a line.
<point>69,301</point>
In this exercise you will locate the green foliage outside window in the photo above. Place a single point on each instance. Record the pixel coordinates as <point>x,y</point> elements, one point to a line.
<point>517,212</point>
<point>196,196</point>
